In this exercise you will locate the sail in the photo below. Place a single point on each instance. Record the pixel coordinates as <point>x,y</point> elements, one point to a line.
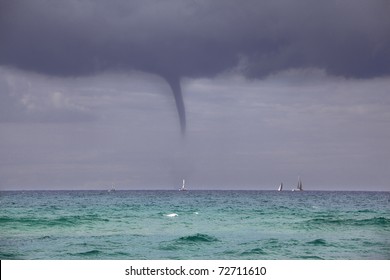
<point>299,185</point>
<point>280,187</point>
<point>183,188</point>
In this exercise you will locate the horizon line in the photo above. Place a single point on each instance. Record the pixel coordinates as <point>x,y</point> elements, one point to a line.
<point>190,190</point>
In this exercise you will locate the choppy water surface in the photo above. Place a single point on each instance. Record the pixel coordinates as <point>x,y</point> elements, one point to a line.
<point>194,225</point>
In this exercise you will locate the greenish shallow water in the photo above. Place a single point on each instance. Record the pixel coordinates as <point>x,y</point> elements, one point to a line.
<point>209,225</point>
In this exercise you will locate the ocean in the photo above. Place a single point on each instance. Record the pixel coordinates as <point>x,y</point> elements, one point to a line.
<point>215,225</point>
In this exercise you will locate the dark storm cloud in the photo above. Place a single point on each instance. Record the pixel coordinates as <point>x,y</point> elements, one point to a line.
<point>177,39</point>
<point>196,38</point>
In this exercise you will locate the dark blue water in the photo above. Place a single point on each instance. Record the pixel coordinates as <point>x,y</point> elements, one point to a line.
<point>194,225</point>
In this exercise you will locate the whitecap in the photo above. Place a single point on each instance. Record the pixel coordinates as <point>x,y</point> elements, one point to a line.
<point>171,215</point>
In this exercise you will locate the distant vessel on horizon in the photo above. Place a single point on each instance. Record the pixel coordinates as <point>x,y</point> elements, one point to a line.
<point>299,186</point>
<point>112,189</point>
<point>280,187</point>
<point>183,187</point>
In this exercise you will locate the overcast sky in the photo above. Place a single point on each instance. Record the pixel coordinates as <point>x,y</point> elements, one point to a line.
<point>226,94</point>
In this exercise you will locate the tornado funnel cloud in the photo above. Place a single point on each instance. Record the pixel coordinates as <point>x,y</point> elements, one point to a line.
<point>174,83</point>
<point>162,45</point>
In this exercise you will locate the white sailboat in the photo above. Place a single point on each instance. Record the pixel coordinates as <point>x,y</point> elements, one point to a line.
<point>280,187</point>
<point>183,188</point>
<point>299,185</point>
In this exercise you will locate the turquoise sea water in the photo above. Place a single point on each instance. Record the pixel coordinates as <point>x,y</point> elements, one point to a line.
<point>207,225</point>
